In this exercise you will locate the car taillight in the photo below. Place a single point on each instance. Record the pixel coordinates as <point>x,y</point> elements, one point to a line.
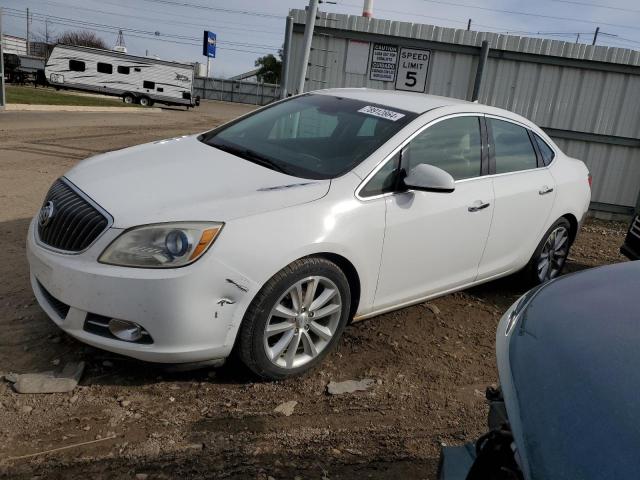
<point>590,180</point>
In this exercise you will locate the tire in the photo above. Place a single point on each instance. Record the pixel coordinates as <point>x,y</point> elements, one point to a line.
<point>128,98</point>
<point>554,247</point>
<point>144,101</point>
<point>271,355</point>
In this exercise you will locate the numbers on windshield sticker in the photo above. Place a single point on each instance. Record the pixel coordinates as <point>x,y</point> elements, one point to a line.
<point>381,113</point>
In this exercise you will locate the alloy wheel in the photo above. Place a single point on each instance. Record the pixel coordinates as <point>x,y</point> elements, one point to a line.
<point>302,322</point>
<point>553,255</point>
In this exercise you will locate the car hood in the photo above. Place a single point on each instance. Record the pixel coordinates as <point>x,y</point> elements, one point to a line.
<point>183,179</point>
<point>570,375</point>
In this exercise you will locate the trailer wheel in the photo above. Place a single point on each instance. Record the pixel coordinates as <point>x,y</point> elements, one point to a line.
<point>128,98</point>
<point>145,101</point>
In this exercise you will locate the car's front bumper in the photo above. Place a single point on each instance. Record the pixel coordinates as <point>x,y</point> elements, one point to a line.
<point>192,313</point>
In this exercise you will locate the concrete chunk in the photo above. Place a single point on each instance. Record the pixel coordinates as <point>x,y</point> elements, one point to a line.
<point>50,382</point>
<point>349,386</point>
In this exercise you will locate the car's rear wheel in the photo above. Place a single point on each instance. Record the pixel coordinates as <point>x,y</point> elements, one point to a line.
<point>145,101</point>
<point>296,319</point>
<point>549,258</point>
<point>128,98</point>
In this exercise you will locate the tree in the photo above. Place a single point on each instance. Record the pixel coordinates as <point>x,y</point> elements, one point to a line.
<point>82,38</point>
<point>270,68</point>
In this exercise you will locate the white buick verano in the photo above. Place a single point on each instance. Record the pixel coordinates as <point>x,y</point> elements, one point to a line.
<point>267,235</point>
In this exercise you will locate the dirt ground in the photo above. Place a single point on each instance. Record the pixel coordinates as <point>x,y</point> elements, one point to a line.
<point>430,365</point>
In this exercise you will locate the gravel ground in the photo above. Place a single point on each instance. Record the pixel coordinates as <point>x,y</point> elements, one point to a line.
<point>430,363</point>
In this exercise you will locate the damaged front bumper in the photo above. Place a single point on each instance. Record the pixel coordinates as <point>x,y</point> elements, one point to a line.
<point>189,314</point>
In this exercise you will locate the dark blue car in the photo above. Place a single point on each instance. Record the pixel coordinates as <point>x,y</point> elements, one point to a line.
<point>568,356</point>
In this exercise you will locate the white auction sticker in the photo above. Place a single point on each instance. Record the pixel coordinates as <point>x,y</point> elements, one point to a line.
<point>381,112</point>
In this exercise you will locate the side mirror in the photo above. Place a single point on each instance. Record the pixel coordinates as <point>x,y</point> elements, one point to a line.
<point>428,178</point>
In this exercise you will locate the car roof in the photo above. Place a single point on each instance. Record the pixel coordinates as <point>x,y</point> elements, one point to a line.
<point>409,101</point>
<point>420,102</point>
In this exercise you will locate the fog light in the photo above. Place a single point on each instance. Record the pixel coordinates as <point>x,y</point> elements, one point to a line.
<point>125,330</point>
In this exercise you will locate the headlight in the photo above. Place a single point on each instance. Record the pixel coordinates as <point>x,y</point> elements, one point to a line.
<point>164,245</point>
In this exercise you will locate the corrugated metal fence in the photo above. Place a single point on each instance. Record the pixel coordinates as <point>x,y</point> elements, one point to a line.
<point>586,97</point>
<point>236,90</point>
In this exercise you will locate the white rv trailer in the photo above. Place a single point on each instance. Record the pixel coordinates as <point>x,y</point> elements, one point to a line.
<point>135,79</point>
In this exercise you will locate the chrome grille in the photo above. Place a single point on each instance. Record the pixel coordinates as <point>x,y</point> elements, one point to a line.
<point>69,221</point>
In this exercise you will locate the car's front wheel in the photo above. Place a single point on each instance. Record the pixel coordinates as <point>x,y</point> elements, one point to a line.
<point>549,258</point>
<point>296,319</point>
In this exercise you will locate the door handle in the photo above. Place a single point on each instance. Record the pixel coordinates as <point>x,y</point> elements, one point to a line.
<point>477,206</point>
<point>544,190</point>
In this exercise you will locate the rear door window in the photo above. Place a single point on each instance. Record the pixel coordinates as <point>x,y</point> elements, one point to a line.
<point>545,150</point>
<point>512,147</point>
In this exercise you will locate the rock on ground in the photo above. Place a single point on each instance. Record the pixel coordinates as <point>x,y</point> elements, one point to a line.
<point>286,408</point>
<point>349,386</point>
<point>49,382</point>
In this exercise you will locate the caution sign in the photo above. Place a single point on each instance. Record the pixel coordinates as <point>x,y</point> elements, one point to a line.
<point>384,60</point>
<point>412,69</point>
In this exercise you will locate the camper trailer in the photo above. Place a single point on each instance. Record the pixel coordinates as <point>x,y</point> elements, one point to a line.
<point>135,79</point>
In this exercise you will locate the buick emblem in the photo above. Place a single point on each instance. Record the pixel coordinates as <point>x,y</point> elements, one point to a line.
<point>46,214</point>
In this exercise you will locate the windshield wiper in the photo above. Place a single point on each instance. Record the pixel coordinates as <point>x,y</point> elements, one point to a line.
<point>252,156</point>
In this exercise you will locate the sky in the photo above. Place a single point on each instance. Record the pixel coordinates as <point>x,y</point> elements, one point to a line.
<point>246,29</point>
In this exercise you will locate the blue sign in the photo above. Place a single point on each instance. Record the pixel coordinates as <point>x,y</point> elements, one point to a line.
<point>209,44</point>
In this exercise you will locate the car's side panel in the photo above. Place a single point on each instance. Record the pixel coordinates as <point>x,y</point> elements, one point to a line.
<point>520,218</point>
<point>433,241</point>
<point>259,246</point>
<point>573,190</point>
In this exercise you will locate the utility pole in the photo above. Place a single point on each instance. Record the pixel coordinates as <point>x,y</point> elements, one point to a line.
<point>312,11</point>
<point>578,38</point>
<point>595,35</point>
<point>286,57</point>
<point>469,25</point>
<point>28,27</point>
<point>3,100</point>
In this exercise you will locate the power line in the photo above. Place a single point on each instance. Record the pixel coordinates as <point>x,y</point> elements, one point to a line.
<point>530,14</point>
<point>216,9</point>
<point>144,35</point>
<point>609,7</point>
<point>173,21</point>
<point>83,23</point>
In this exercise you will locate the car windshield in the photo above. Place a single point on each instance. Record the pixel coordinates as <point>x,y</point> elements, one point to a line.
<point>311,136</point>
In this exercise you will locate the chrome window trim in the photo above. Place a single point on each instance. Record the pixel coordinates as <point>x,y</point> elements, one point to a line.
<point>402,145</point>
<point>89,200</point>
<point>437,120</point>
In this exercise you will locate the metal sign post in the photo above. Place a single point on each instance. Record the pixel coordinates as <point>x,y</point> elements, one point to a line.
<point>2,94</point>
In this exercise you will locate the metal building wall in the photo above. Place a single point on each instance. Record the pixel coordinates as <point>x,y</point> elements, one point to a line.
<point>586,97</point>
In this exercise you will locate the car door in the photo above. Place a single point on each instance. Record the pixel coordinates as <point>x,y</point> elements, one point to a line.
<point>434,241</point>
<point>524,194</point>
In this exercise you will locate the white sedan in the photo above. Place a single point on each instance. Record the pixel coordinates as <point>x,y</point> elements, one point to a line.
<point>267,235</point>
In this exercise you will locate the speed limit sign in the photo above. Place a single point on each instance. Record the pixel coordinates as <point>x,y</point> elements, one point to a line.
<point>413,64</point>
